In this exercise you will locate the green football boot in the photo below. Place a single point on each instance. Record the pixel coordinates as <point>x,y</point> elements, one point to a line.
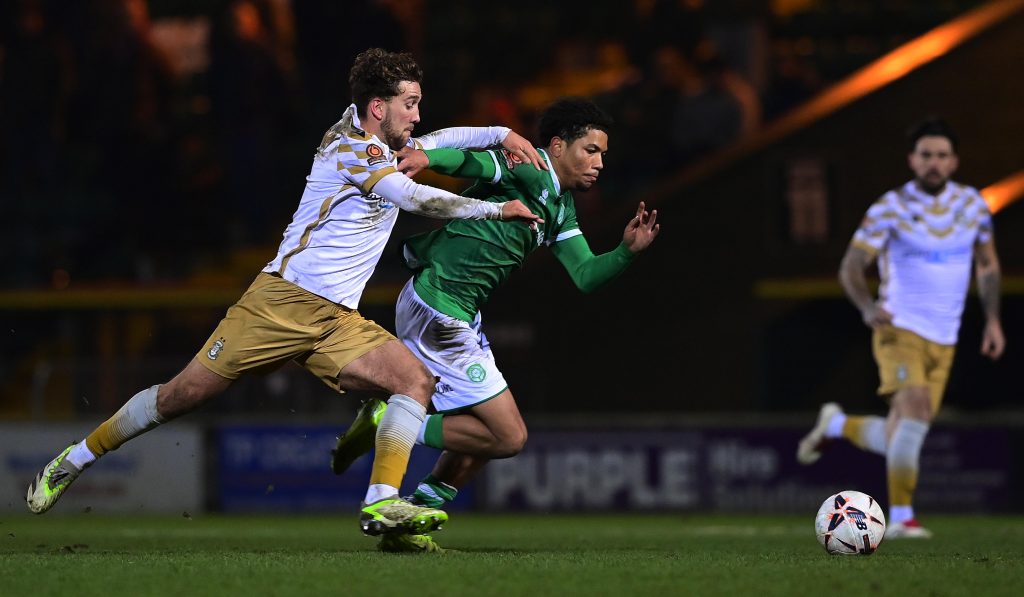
<point>360,436</point>
<point>396,516</point>
<point>51,482</point>
<point>408,544</point>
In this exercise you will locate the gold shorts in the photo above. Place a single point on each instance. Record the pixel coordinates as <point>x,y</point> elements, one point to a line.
<point>906,359</point>
<point>276,321</point>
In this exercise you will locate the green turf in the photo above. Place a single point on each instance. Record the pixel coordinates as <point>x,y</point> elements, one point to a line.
<point>631,556</point>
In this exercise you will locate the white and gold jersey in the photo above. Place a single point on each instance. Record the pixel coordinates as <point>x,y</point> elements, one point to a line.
<point>925,247</point>
<point>340,228</point>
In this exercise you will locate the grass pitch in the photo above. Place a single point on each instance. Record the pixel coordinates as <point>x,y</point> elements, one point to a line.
<point>87,554</point>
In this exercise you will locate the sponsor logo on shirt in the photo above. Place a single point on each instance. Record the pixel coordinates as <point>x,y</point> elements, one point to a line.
<point>378,202</point>
<point>374,154</point>
<point>561,214</point>
<point>511,159</point>
<point>947,256</point>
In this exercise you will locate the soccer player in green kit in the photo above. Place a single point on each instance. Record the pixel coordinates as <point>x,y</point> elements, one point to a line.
<point>459,265</point>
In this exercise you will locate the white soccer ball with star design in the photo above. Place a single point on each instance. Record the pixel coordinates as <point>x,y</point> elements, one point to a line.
<point>850,523</point>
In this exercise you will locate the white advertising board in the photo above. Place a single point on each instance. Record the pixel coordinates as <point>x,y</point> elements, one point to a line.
<point>161,471</point>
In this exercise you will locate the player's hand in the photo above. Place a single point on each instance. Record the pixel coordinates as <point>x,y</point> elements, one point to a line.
<point>517,210</point>
<point>875,316</point>
<point>524,150</point>
<point>641,230</point>
<point>993,342</point>
<point>412,161</point>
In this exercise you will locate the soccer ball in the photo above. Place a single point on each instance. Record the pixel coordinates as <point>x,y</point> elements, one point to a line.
<point>850,523</point>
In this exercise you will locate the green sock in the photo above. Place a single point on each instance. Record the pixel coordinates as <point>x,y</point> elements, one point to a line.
<point>433,435</point>
<point>433,493</point>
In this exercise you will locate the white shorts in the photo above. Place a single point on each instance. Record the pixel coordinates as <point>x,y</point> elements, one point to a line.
<point>455,351</point>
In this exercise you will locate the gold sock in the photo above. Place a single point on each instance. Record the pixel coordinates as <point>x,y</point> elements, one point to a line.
<point>396,436</point>
<point>136,417</point>
<point>902,483</point>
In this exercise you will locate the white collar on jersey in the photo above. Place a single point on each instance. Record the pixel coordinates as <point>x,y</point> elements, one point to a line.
<point>551,171</point>
<point>910,189</point>
<point>355,116</point>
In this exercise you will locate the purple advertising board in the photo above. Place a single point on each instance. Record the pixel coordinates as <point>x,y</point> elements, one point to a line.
<point>286,468</point>
<point>737,470</point>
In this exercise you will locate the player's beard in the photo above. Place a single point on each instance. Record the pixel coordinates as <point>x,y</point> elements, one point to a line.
<point>394,138</point>
<point>932,183</point>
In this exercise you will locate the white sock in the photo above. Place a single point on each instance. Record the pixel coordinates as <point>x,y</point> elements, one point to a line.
<point>421,435</point>
<point>81,456</point>
<point>835,426</point>
<point>873,435</point>
<point>904,453</point>
<point>379,491</point>
<point>900,514</point>
<point>905,446</point>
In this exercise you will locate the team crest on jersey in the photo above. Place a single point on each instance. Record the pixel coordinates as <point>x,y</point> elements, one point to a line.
<point>511,159</point>
<point>901,372</point>
<point>543,197</point>
<point>214,351</point>
<point>476,373</point>
<point>374,154</point>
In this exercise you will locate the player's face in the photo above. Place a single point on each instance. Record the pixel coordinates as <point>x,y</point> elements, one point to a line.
<point>933,162</point>
<point>582,160</point>
<point>401,113</point>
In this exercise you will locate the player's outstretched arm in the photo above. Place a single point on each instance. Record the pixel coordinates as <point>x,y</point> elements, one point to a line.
<point>478,165</point>
<point>438,203</point>
<point>590,272</point>
<point>478,137</point>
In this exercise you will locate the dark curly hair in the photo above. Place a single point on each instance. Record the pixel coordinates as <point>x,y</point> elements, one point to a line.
<point>377,73</point>
<point>932,127</point>
<point>570,118</point>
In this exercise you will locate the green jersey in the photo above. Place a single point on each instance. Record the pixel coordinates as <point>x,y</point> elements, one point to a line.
<point>465,260</point>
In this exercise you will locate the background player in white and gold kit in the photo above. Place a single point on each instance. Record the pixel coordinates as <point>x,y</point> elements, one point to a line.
<point>302,306</point>
<point>925,236</point>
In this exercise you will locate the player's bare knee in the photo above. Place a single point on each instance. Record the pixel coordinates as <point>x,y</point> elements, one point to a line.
<point>414,381</point>
<point>915,403</point>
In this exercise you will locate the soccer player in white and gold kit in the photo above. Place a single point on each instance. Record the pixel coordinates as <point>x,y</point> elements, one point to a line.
<point>303,305</point>
<point>925,236</point>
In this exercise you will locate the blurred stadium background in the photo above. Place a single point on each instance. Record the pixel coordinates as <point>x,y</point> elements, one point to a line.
<point>152,153</point>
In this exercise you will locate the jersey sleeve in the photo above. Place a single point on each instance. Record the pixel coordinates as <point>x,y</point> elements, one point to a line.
<point>588,271</point>
<point>984,217</point>
<point>433,202</point>
<point>568,226</point>
<point>463,137</point>
<point>364,163</point>
<point>876,227</point>
<point>479,165</point>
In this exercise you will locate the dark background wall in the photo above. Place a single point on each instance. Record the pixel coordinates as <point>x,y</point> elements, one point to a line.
<point>145,178</point>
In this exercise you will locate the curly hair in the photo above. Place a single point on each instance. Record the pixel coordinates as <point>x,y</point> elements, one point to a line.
<point>570,118</point>
<point>377,73</point>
